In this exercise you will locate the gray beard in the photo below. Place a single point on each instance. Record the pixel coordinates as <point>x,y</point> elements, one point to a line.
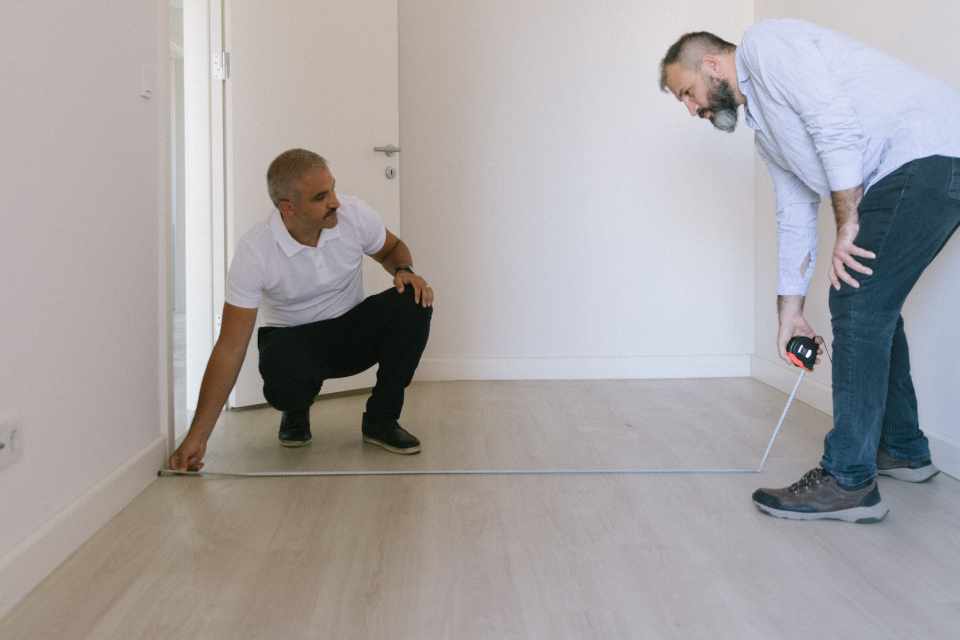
<point>725,120</point>
<point>723,104</point>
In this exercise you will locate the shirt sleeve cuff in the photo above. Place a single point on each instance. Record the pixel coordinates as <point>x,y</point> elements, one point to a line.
<point>380,240</point>
<point>238,300</point>
<point>843,170</point>
<point>791,287</point>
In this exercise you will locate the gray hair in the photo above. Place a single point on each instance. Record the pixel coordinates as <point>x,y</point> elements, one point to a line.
<point>286,169</point>
<point>689,51</point>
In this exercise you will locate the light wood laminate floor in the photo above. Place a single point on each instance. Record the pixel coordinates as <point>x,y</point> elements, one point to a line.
<point>680,557</point>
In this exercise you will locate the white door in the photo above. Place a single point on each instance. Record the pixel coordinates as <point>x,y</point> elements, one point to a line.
<point>317,75</point>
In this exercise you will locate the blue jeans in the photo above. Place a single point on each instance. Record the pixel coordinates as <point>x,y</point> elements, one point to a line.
<point>906,219</point>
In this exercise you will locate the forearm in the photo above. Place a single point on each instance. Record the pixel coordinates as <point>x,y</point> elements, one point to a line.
<point>399,257</point>
<point>221,374</point>
<point>845,205</point>
<point>790,306</point>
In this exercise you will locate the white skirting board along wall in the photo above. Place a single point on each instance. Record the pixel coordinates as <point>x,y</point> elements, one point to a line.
<point>946,453</point>
<point>35,558</point>
<point>583,368</point>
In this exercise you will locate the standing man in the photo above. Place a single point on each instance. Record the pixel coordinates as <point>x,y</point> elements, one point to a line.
<point>303,267</point>
<point>834,118</point>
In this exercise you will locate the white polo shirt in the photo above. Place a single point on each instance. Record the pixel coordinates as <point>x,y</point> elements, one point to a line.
<point>294,284</point>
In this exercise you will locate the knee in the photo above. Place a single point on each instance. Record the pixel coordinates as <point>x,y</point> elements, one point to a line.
<point>287,384</point>
<point>862,310</point>
<point>284,396</point>
<point>405,306</point>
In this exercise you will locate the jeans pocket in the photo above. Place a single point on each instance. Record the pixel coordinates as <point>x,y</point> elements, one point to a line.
<point>879,209</point>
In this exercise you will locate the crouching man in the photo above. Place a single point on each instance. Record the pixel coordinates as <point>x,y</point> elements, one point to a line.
<point>302,267</point>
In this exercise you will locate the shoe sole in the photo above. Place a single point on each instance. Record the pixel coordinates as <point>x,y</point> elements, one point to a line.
<point>922,474</point>
<point>857,515</point>
<point>293,444</point>
<point>392,449</point>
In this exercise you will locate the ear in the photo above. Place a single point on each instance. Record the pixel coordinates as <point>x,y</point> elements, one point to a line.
<point>286,208</point>
<point>711,65</point>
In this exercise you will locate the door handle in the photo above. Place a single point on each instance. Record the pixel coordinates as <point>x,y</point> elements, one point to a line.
<point>388,150</point>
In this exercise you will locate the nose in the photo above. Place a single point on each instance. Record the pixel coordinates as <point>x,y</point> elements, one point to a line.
<point>334,201</point>
<point>691,107</point>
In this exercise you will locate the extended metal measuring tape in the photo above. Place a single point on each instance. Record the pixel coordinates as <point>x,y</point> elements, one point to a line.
<point>509,472</point>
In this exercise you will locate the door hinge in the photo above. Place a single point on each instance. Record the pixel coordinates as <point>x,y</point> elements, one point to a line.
<point>221,65</point>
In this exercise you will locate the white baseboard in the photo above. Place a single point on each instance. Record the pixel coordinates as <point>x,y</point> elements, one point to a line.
<point>945,452</point>
<point>782,377</point>
<point>35,558</point>
<point>586,368</point>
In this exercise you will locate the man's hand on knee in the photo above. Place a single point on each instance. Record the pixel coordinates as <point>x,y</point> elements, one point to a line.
<point>422,293</point>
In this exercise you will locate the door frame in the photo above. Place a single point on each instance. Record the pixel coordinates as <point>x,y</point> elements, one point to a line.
<point>203,157</point>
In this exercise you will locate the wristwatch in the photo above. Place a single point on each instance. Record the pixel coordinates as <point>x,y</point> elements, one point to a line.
<point>403,267</point>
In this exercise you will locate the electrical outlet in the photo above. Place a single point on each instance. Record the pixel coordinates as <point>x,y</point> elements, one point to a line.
<point>11,442</point>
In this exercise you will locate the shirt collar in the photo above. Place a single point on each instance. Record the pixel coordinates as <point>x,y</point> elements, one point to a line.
<point>743,83</point>
<point>288,244</point>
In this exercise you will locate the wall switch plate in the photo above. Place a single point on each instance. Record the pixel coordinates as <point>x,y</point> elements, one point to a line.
<point>11,442</point>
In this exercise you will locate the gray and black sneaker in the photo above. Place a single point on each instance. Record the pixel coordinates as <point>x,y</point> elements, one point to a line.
<point>390,435</point>
<point>295,428</point>
<point>906,470</point>
<point>818,496</point>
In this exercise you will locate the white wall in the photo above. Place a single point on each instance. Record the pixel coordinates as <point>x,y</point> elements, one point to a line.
<point>83,176</point>
<point>574,220</point>
<point>922,33</point>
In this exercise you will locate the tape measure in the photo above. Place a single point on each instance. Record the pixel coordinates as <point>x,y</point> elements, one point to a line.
<point>802,352</point>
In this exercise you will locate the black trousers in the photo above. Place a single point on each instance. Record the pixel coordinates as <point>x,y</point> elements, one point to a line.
<point>388,329</point>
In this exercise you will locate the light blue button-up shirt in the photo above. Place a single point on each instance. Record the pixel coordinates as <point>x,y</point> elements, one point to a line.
<point>831,114</point>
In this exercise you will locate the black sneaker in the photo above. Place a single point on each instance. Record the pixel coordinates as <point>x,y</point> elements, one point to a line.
<point>818,496</point>
<point>295,428</point>
<point>390,435</point>
<point>906,470</point>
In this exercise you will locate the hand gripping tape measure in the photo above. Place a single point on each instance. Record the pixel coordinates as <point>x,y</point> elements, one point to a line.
<point>802,351</point>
